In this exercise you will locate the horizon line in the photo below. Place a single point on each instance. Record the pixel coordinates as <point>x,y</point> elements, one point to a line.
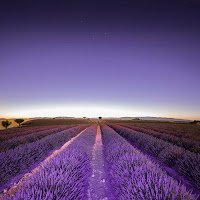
<point>181,118</point>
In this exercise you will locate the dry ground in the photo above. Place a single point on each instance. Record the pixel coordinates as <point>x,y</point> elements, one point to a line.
<point>14,124</point>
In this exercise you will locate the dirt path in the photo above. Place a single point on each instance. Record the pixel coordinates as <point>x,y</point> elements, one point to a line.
<point>98,184</point>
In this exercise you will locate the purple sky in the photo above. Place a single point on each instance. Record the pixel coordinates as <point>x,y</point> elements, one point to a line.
<point>121,58</point>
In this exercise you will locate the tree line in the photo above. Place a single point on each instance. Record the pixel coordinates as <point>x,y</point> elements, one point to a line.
<point>7,123</point>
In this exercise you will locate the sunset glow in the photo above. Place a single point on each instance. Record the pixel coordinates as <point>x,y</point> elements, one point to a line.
<point>82,64</point>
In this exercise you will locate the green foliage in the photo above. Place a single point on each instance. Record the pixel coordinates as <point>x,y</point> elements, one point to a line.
<point>194,122</point>
<point>19,121</point>
<point>6,123</point>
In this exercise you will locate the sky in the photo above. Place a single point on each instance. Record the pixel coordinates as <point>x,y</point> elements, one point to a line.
<point>100,58</point>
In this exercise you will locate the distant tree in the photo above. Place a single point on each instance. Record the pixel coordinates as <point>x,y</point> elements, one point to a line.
<point>6,124</point>
<point>137,118</point>
<point>195,122</point>
<point>19,121</point>
<point>100,117</point>
<point>84,117</point>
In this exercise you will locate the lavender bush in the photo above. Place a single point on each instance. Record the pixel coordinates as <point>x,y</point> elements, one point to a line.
<point>25,139</point>
<point>65,176</point>
<point>13,162</point>
<point>184,162</point>
<point>19,131</point>
<point>185,143</point>
<point>134,176</point>
<point>190,166</point>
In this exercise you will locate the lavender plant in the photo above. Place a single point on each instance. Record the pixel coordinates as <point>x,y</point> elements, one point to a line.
<point>184,162</point>
<point>185,143</point>
<point>19,160</point>
<point>134,176</point>
<point>25,139</point>
<point>15,132</point>
<point>65,176</point>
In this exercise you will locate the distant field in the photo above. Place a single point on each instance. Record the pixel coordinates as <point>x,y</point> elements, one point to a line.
<point>53,122</point>
<point>184,128</point>
<point>48,122</point>
<point>14,124</point>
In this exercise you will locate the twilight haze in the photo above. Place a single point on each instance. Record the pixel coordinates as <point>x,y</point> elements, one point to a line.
<point>100,58</point>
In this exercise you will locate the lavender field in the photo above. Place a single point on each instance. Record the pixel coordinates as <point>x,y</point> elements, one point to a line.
<point>98,161</point>
<point>100,100</point>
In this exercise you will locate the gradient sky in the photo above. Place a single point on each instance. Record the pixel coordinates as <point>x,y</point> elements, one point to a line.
<point>92,58</point>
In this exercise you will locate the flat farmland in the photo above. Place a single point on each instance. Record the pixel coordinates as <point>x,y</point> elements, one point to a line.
<point>57,122</point>
<point>14,124</point>
<point>83,159</point>
<point>183,129</point>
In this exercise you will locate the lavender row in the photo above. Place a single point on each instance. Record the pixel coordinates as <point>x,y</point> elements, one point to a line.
<point>25,139</point>
<point>185,143</point>
<point>179,131</point>
<point>66,176</point>
<point>133,176</point>
<point>15,132</point>
<point>21,129</point>
<point>184,162</point>
<point>16,161</point>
